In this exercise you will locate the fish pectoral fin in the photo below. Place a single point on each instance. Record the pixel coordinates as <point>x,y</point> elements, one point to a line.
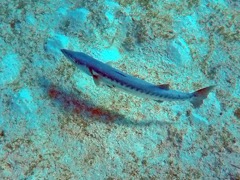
<point>96,77</point>
<point>164,86</point>
<point>159,101</point>
<point>96,80</point>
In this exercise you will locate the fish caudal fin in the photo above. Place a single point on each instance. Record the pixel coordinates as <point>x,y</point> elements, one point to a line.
<point>200,95</point>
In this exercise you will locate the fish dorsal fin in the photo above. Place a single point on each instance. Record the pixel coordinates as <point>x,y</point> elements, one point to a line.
<point>163,86</point>
<point>110,63</point>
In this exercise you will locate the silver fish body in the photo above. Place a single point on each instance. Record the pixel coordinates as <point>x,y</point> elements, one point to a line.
<point>104,73</point>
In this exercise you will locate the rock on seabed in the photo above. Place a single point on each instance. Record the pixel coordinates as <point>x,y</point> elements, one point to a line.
<point>10,67</point>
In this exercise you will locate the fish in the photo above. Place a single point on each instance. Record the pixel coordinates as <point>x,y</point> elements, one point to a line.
<point>103,73</point>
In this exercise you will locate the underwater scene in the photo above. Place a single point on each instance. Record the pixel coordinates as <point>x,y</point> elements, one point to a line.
<point>119,89</point>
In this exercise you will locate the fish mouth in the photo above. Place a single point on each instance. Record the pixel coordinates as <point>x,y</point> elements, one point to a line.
<point>71,55</point>
<point>65,52</point>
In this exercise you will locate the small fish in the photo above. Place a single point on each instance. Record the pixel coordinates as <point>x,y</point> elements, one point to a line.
<point>104,73</point>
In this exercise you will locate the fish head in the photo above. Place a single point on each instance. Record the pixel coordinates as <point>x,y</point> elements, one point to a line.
<point>76,57</point>
<point>83,61</point>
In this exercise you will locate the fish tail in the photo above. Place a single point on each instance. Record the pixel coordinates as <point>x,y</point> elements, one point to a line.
<point>200,95</point>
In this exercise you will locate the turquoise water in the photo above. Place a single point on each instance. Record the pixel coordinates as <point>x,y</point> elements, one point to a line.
<point>55,123</point>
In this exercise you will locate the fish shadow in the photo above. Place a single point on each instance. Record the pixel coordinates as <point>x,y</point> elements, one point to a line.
<point>82,106</point>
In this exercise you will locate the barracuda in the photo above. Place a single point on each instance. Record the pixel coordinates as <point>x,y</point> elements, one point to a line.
<point>112,77</point>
